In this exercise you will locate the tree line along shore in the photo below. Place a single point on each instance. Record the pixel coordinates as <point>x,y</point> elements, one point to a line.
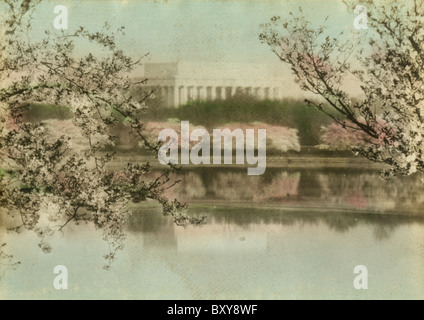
<point>292,127</point>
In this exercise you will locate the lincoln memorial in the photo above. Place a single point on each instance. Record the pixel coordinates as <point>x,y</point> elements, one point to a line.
<point>180,82</point>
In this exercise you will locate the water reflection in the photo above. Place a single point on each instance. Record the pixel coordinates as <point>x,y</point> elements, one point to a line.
<point>340,199</point>
<point>151,222</point>
<point>287,234</point>
<point>330,189</point>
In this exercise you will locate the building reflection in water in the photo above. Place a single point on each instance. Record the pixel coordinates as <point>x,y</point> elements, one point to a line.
<point>237,205</point>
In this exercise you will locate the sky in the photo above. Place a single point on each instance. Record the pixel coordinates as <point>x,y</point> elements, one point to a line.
<point>196,30</point>
<point>200,30</point>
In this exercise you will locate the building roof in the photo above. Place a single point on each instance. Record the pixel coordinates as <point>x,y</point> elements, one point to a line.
<point>211,71</point>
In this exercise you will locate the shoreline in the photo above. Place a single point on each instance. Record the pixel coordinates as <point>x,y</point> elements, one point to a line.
<point>312,210</point>
<point>300,161</point>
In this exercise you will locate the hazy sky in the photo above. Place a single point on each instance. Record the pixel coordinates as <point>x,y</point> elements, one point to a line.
<point>202,30</point>
<point>196,30</point>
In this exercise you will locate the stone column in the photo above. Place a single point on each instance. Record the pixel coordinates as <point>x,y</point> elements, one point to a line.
<point>225,93</point>
<point>190,94</point>
<point>248,91</point>
<point>220,93</point>
<point>232,91</point>
<point>171,97</point>
<point>164,96</point>
<point>229,92</point>
<point>213,93</point>
<point>182,96</point>
<point>208,93</point>
<point>256,92</point>
<point>201,94</point>
<point>260,93</point>
<point>267,93</point>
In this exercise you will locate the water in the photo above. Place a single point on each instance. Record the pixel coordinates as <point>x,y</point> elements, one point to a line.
<point>289,234</point>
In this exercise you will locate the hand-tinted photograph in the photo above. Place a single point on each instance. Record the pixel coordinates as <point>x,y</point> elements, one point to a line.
<point>211,150</point>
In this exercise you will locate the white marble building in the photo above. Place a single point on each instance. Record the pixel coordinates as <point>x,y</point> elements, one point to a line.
<point>180,82</point>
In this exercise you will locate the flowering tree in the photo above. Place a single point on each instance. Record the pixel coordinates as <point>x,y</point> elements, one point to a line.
<point>336,137</point>
<point>6,261</point>
<point>389,65</point>
<point>50,181</point>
